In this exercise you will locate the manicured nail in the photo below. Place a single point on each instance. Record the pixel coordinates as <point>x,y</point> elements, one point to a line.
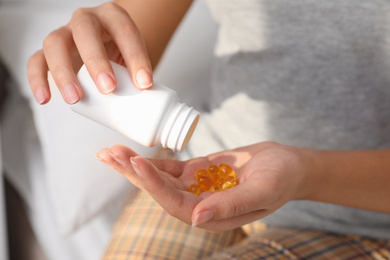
<point>135,167</point>
<point>71,94</point>
<point>144,79</point>
<point>40,96</point>
<point>98,157</point>
<point>106,83</point>
<point>101,155</point>
<point>203,217</point>
<point>115,157</point>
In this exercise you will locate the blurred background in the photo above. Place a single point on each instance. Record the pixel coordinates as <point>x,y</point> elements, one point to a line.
<point>57,201</point>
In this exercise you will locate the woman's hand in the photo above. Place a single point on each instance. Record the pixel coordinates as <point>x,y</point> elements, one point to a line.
<point>93,36</point>
<point>269,175</point>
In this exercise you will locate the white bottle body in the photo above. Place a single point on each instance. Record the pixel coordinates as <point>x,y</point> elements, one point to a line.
<point>142,115</point>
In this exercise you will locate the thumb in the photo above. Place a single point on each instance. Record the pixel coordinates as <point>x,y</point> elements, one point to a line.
<point>239,200</point>
<point>148,174</point>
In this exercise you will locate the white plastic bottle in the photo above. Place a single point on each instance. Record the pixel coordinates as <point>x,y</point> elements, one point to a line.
<point>149,117</point>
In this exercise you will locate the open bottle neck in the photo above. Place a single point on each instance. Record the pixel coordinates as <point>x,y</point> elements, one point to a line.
<point>179,127</point>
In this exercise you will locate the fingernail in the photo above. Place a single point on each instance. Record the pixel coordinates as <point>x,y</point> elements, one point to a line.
<point>40,96</point>
<point>135,167</point>
<point>115,157</point>
<point>98,157</point>
<point>144,78</point>
<point>71,94</point>
<point>203,217</point>
<point>106,83</point>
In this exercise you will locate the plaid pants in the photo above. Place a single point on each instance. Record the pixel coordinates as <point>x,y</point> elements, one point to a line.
<point>145,231</point>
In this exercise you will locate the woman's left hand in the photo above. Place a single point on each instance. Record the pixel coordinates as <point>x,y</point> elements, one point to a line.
<point>269,175</point>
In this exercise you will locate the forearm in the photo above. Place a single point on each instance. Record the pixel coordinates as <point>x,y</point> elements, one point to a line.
<point>157,20</point>
<point>359,179</point>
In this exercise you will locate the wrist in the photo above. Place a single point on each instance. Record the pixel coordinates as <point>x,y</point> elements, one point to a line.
<point>309,171</point>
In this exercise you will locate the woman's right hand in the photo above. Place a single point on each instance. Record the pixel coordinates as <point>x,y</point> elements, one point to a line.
<point>93,37</point>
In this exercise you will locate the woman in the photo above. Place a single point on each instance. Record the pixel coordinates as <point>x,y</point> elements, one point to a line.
<point>301,73</point>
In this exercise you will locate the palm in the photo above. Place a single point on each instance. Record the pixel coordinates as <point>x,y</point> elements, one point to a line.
<point>265,169</point>
<point>176,177</point>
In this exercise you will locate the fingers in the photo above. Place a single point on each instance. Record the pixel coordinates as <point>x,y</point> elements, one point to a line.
<point>171,166</point>
<point>57,48</point>
<point>130,43</point>
<point>124,153</point>
<point>96,35</point>
<point>87,35</point>
<point>92,28</point>
<point>164,187</point>
<point>166,190</point>
<point>203,221</point>
<point>118,158</point>
<point>233,207</point>
<point>146,175</point>
<point>232,202</point>
<point>105,156</point>
<point>37,76</point>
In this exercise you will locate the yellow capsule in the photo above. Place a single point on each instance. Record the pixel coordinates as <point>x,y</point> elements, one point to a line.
<point>226,170</point>
<point>206,184</point>
<point>213,169</point>
<point>201,173</point>
<point>227,182</point>
<point>227,185</point>
<point>214,178</point>
<point>213,172</point>
<point>195,189</point>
